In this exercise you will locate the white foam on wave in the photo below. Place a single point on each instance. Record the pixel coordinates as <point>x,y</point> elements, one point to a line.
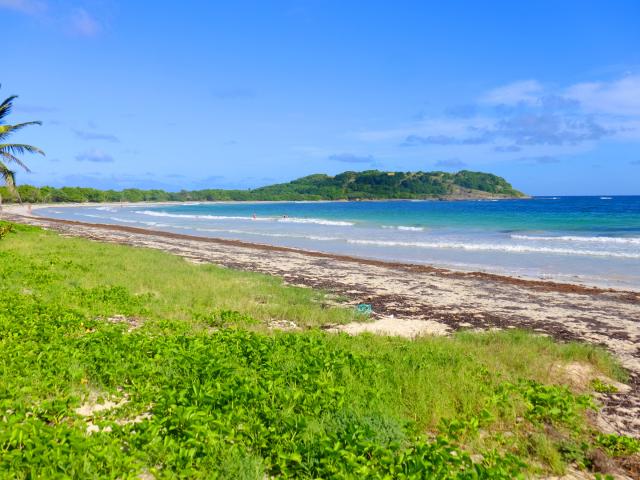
<point>107,209</point>
<point>152,213</point>
<point>155,224</point>
<point>265,234</point>
<point>576,238</point>
<point>317,221</point>
<point>404,228</point>
<point>495,248</point>
<point>123,220</point>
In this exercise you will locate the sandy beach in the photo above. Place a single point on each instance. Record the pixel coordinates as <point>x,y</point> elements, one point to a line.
<point>411,300</point>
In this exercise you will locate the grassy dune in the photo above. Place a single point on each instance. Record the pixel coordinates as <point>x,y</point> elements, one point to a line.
<point>118,362</point>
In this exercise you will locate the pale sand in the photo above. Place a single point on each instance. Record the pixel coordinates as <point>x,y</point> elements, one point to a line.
<point>412,300</point>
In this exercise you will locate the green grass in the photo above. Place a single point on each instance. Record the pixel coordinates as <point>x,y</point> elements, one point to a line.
<point>219,396</point>
<point>103,279</point>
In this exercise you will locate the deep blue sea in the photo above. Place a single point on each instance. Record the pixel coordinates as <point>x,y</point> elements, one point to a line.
<point>591,240</point>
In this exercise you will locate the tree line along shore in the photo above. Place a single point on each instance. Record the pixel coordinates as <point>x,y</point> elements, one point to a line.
<point>368,185</point>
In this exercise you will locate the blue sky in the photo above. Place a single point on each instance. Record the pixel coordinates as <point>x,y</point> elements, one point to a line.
<point>200,94</point>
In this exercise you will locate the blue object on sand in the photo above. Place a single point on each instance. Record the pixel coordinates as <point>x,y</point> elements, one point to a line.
<point>364,308</point>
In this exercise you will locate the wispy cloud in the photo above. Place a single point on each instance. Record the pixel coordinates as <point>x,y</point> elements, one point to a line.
<point>77,21</point>
<point>28,7</point>
<point>507,148</point>
<point>83,23</point>
<point>22,108</point>
<point>351,158</point>
<point>526,91</point>
<point>84,135</point>
<point>541,159</point>
<point>413,140</point>
<point>621,97</point>
<point>117,181</point>
<point>549,129</point>
<point>462,111</point>
<point>94,155</point>
<point>527,119</point>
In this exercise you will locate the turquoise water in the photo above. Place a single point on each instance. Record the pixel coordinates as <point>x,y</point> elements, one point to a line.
<point>593,240</point>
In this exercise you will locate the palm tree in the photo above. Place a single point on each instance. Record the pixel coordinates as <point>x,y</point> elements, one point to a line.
<point>8,151</point>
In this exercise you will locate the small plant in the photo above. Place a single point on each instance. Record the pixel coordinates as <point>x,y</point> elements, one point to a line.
<point>6,228</point>
<point>601,387</point>
<point>550,403</point>
<point>225,318</point>
<point>618,445</point>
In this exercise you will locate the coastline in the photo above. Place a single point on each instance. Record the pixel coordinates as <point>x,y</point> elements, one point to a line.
<point>412,300</point>
<point>543,284</point>
<point>23,206</point>
<point>589,280</point>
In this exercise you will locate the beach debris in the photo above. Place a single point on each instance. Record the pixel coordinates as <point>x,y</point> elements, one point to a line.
<point>91,407</point>
<point>96,405</point>
<point>282,325</point>
<point>364,308</point>
<point>397,327</point>
<point>133,322</point>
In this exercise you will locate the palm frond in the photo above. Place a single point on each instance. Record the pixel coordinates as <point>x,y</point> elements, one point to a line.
<point>6,130</point>
<point>5,107</point>
<point>9,177</point>
<point>19,148</point>
<point>12,158</point>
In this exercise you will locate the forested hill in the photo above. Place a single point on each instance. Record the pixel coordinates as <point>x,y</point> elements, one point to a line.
<point>373,184</point>
<point>368,185</point>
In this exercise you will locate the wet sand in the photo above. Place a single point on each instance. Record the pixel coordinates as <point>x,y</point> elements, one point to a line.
<point>413,300</point>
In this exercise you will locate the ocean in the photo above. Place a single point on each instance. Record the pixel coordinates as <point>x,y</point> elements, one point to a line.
<point>587,240</point>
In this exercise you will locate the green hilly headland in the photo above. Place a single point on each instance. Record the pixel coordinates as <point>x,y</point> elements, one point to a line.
<point>367,185</point>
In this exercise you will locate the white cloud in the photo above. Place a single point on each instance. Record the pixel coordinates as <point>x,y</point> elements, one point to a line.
<point>28,7</point>
<point>429,127</point>
<point>77,21</point>
<point>95,156</point>
<point>525,91</point>
<point>619,97</point>
<point>82,23</point>
<point>536,122</point>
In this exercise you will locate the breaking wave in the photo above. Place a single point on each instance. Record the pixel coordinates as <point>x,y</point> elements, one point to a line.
<point>405,228</point>
<point>317,221</point>
<point>575,238</point>
<point>495,248</point>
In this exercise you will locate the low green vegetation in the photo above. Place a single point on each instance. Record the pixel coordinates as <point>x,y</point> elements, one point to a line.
<point>618,446</point>
<point>602,387</point>
<point>371,184</point>
<point>118,361</point>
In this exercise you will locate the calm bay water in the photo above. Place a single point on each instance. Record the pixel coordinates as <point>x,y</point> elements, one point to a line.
<point>593,240</point>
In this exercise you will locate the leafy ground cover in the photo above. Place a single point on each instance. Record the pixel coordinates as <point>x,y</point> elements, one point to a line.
<point>120,362</point>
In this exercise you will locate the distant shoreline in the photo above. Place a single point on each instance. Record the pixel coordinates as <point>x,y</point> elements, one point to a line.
<point>20,206</point>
